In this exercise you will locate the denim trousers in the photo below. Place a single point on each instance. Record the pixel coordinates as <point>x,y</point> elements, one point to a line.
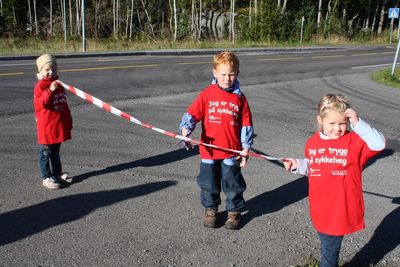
<point>217,175</point>
<point>330,248</point>
<point>49,160</point>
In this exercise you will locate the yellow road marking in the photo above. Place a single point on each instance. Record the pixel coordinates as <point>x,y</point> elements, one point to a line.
<point>110,68</point>
<point>12,73</point>
<point>365,54</point>
<point>330,56</point>
<point>277,59</point>
<point>194,63</point>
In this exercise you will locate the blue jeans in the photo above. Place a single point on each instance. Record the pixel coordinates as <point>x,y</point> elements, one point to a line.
<point>217,175</point>
<point>330,248</point>
<point>49,155</point>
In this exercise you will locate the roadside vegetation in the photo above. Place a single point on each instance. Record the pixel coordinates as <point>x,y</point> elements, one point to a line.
<point>385,77</point>
<point>35,26</point>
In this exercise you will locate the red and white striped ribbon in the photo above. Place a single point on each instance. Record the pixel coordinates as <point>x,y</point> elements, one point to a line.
<point>107,107</point>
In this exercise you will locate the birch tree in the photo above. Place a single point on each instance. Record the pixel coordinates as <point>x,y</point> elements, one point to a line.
<point>51,18</point>
<point>382,17</point>
<point>319,13</point>
<point>175,21</point>
<point>35,16</point>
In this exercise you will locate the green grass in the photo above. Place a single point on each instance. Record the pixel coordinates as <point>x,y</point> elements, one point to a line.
<point>35,45</point>
<point>385,77</point>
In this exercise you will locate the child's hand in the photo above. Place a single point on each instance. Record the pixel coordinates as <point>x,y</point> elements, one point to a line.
<point>188,145</point>
<point>243,158</point>
<point>289,163</point>
<point>54,85</point>
<point>351,114</point>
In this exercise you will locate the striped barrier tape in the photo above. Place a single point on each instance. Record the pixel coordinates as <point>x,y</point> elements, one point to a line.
<point>107,107</point>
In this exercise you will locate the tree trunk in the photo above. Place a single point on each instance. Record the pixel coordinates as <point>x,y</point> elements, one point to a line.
<point>114,19</point>
<point>175,22</point>
<point>51,18</point>
<point>366,28</point>
<point>29,11</point>
<point>148,19</point>
<point>232,21</point>
<point>283,10</point>
<point>35,15</point>
<point>130,23</point>
<point>200,17</point>
<point>78,18</point>
<point>319,13</point>
<point>382,17</point>
<point>70,18</point>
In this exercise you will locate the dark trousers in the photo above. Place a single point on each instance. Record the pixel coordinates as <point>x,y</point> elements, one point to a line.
<point>213,177</point>
<point>49,160</point>
<point>330,248</point>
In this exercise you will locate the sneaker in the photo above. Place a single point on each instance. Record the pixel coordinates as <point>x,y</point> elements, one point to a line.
<point>51,183</point>
<point>66,178</point>
<point>210,218</point>
<point>233,221</point>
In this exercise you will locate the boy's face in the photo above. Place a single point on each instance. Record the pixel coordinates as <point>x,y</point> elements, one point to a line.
<point>49,71</point>
<point>225,75</point>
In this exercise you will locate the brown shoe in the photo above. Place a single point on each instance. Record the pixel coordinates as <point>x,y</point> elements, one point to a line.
<point>210,218</point>
<point>233,221</point>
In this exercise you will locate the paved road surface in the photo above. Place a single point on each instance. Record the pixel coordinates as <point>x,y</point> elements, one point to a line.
<point>135,202</point>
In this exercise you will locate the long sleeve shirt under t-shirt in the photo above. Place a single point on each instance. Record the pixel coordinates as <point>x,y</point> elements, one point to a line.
<point>334,169</point>
<point>223,115</point>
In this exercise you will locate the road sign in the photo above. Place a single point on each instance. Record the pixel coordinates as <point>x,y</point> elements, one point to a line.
<point>394,13</point>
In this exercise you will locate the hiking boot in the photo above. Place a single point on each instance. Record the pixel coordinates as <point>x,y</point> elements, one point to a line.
<point>233,220</point>
<point>65,178</point>
<point>51,183</point>
<point>210,218</point>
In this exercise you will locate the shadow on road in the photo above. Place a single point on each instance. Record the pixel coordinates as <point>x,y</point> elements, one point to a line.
<point>24,222</point>
<point>157,160</point>
<point>385,153</point>
<point>385,238</point>
<point>276,199</point>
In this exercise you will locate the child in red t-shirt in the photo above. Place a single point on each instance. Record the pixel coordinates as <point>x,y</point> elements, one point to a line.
<point>226,121</point>
<point>53,121</point>
<point>335,158</point>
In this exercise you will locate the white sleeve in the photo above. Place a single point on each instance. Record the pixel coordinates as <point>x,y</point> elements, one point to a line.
<point>302,167</point>
<point>374,139</point>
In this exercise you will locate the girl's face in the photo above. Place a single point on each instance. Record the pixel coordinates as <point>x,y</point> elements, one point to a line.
<point>225,75</point>
<point>48,71</point>
<point>333,124</point>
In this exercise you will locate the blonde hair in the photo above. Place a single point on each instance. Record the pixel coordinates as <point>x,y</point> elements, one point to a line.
<point>226,58</point>
<point>335,102</point>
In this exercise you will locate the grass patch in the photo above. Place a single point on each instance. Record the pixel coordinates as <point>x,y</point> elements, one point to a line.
<point>311,262</point>
<point>385,77</point>
<point>36,45</point>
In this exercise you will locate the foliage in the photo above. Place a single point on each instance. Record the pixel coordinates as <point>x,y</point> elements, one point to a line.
<point>153,20</point>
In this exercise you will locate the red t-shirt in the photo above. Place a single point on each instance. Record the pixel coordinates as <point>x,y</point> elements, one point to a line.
<point>335,184</point>
<point>222,115</point>
<point>53,117</point>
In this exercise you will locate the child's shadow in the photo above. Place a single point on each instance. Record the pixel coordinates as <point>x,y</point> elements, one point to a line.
<point>157,160</point>
<point>276,199</point>
<point>384,240</point>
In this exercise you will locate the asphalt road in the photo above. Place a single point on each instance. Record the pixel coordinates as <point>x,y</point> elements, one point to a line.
<point>135,201</point>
